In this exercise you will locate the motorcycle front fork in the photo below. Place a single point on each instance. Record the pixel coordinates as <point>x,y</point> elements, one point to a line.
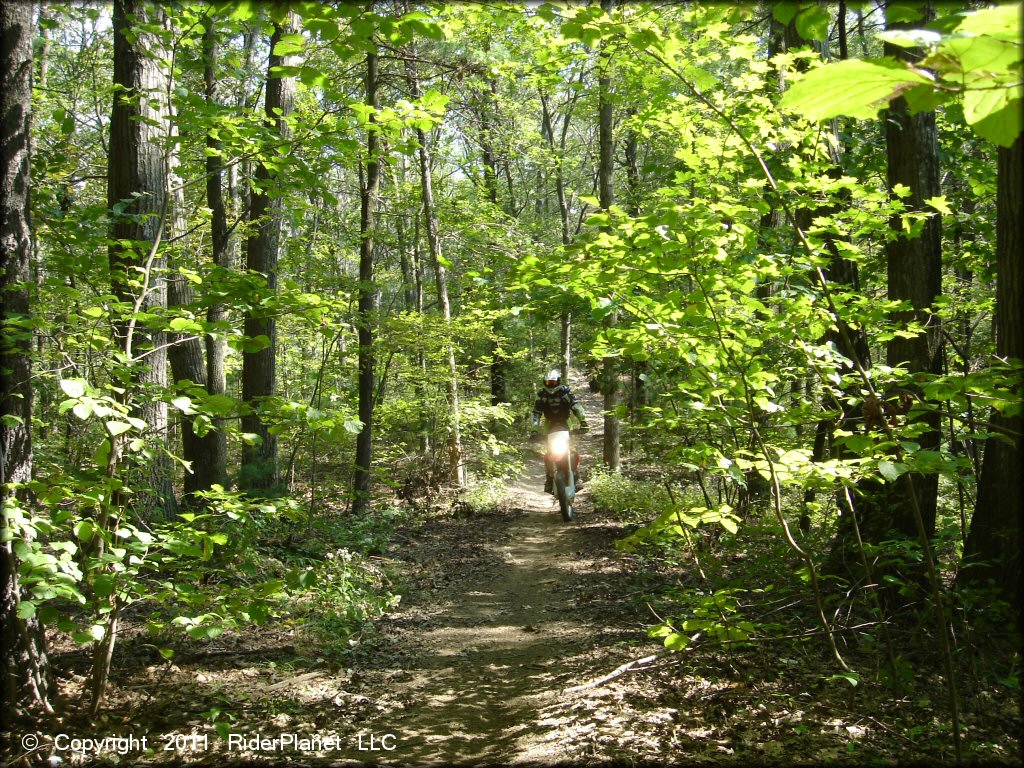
<point>549,465</point>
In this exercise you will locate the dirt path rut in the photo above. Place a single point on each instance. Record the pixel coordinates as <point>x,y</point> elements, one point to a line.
<point>477,667</point>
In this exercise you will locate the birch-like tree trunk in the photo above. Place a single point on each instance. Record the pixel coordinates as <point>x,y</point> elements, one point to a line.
<point>456,469</point>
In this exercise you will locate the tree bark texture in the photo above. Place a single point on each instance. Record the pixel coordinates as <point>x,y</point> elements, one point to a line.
<point>206,453</point>
<point>137,171</point>
<point>915,277</point>
<point>992,550</point>
<point>259,367</point>
<point>610,384</point>
<point>25,681</point>
<point>368,300</point>
<point>216,348</point>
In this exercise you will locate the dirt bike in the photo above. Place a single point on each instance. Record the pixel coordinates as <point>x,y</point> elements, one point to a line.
<point>566,461</point>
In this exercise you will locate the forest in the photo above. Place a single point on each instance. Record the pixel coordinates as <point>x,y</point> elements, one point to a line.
<point>282,282</point>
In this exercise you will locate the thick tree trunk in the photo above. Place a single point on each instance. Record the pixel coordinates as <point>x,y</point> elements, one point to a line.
<point>26,680</point>
<point>915,277</point>
<point>456,468</point>
<point>137,198</point>
<point>610,384</point>
<point>992,551</point>
<point>259,368</point>
<point>368,302</point>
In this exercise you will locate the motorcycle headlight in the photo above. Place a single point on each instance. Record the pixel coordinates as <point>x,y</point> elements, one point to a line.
<point>558,444</point>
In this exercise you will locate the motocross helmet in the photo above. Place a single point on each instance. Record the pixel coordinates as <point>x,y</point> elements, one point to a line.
<point>552,380</point>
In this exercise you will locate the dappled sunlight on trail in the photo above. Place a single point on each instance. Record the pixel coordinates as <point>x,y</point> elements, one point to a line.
<point>487,661</point>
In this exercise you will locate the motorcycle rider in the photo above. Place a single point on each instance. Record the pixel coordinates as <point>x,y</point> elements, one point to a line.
<point>555,402</point>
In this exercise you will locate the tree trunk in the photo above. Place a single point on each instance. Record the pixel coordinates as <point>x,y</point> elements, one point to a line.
<point>638,401</point>
<point>26,679</point>
<point>137,198</point>
<point>205,454</point>
<point>456,469</point>
<point>368,301</point>
<point>488,114</point>
<point>259,368</point>
<point>992,551</point>
<point>914,276</point>
<point>547,130</point>
<point>216,345</point>
<point>610,385</point>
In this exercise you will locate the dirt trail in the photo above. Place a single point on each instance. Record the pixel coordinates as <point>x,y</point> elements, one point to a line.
<point>476,671</point>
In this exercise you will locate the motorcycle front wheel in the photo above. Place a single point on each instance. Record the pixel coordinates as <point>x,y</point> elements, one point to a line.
<point>563,498</point>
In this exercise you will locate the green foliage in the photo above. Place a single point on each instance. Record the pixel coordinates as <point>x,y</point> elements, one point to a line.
<point>633,500</point>
<point>675,523</point>
<point>720,311</point>
<point>486,495</point>
<point>713,616</point>
<point>976,57</point>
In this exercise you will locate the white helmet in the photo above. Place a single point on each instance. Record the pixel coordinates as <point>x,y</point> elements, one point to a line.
<point>552,380</point>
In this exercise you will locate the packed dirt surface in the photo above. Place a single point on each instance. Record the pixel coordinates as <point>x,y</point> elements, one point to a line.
<point>482,666</point>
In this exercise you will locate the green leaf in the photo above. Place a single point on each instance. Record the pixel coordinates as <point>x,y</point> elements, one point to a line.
<point>73,387</point>
<point>104,585</point>
<point>288,45</point>
<point>891,471</point>
<point>182,324</point>
<point>26,609</point>
<point>785,11</point>
<point>1001,21</point>
<point>853,87</point>
<point>676,641</point>
<point>813,23</point>
<point>978,55</point>
<point>183,404</point>
<point>850,677</point>
<point>925,98</point>
<point>84,530</point>
<point>940,204</point>
<point>911,38</point>
<point>243,10</point>
<point>897,13</point>
<point>116,428</point>
<point>48,614</point>
<point>994,114</point>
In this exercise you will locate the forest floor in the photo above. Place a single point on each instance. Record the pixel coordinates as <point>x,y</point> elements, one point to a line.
<point>520,639</point>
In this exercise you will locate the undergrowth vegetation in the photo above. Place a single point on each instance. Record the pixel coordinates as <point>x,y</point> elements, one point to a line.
<point>711,580</point>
